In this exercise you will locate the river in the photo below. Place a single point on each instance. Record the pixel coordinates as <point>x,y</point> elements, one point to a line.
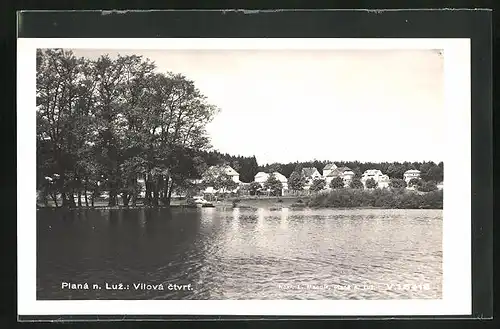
<point>213,253</point>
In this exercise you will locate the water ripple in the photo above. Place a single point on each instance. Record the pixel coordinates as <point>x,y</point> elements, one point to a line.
<point>245,254</point>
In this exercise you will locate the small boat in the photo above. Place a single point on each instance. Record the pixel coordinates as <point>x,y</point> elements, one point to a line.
<point>200,202</point>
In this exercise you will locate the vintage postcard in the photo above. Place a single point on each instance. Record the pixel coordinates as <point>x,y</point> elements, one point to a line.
<point>244,176</point>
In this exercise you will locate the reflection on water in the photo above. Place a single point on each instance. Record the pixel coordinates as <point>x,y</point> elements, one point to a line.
<point>241,253</point>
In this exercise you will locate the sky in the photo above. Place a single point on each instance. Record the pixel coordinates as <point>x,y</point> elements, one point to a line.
<point>300,105</point>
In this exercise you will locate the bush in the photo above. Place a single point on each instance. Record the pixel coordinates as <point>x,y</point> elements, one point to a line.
<point>397,183</point>
<point>318,185</point>
<point>398,199</point>
<point>414,182</point>
<point>371,183</point>
<point>356,183</point>
<point>337,183</point>
<point>427,187</point>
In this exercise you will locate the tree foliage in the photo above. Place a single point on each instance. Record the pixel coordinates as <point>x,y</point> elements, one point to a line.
<point>296,181</point>
<point>371,183</point>
<point>273,185</point>
<point>254,188</point>
<point>217,178</point>
<point>318,185</point>
<point>397,183</point>
<point>414,182</point>
<point>337,182</point>
<point>103,123</point>
<point>380,198</point>
<point>356,184</point>
<point>427,187</point>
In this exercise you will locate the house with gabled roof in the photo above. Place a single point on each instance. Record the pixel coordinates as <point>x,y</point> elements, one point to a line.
<point>328,169</point>
<point>411,174</point>
<point>331,172</point>
<point>235,176</point>
<point>377,175</point>
<point>310,174</point>
<point>262,177</point>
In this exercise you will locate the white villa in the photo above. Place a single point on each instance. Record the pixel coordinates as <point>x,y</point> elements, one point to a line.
<point>310,174</point>
<point>328,169</point>
<point>331,171</point>
<point>262,177</point>
<point>235,176</point>
<point>381,179</point>
<point>410,174</point>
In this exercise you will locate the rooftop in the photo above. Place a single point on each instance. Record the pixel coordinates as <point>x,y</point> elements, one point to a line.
<point>330,166</point>
<point>308,172</point>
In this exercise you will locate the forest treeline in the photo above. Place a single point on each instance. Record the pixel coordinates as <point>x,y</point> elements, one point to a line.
<point>248,166</point>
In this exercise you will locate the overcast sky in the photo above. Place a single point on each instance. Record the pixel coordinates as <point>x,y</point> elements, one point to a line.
<point>289,105</point>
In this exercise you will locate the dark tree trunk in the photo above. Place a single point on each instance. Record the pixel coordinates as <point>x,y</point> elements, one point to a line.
<point>54,198</point>
<point>112,198</point>
<point>147,197</point>
<point>165,193</point>
<point>79,198</point>
<point>125,198</point>
<point>86,197</point>
<point>169,195</point>
<point>155,194</point>
<point>45,194</point>
<point>65,200</point>
<point>112,194</point>
<point>72,203</point>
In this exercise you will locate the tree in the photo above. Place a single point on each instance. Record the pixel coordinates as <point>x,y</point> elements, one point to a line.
<point>414,182</point>
<point>337,182</point>
<point>356,184</point>
<point>296,181</point>
<point>274,167</point>
<point>318,185</point>
<point>428,187</point>
<point>371,183</point>
<point>219,180</point>
<point>112,120</point>
<point>254,188</point>
<point>396,170</point>
<point>397,183</point>
<point>273,185</point>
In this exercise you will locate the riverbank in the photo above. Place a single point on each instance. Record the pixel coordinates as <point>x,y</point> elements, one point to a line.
<point>339,199</point>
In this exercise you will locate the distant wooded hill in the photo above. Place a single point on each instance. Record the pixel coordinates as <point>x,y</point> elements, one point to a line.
<point>248,166</point>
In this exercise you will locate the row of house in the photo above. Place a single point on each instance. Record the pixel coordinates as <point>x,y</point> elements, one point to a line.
<point>330,171</point>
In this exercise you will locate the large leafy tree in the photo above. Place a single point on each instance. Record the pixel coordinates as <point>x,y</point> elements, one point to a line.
<point>318,185</point>
<point>103,123</point>
<point>296,181</point>
<point>273,185</point>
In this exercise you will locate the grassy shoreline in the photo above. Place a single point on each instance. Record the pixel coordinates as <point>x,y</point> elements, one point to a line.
<point>342,199</point>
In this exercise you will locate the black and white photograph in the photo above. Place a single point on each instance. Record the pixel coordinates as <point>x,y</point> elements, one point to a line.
<point>246,171</point>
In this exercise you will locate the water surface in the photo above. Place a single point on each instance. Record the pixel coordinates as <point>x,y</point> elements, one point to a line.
<point>240,254</point>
